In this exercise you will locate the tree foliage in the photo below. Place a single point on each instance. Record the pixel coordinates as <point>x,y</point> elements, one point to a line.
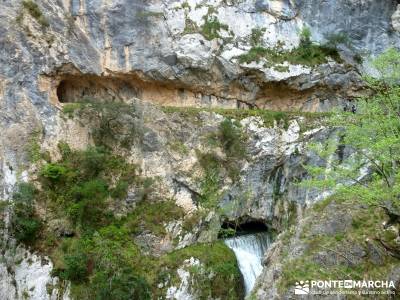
<point>363,161</point>
<point>25,224</point>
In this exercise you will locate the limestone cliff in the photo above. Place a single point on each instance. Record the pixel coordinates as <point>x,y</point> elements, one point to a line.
<point>189,68</point>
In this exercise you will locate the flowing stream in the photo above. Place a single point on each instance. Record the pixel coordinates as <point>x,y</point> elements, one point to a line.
<point>249,250</point>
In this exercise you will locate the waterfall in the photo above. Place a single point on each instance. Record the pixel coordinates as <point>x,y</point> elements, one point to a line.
<point>249,250</point>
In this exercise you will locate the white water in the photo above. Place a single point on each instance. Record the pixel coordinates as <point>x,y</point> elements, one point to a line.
<point>249,250</point>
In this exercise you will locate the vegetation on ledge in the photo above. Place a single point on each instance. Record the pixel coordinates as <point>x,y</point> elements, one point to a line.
<point>34,10</point>
<point>307,53</point>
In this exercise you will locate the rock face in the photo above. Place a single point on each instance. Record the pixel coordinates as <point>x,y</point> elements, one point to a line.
<point>178,53</point>
<point>28,276</point>
<point>330,237</point>
<point>270,181</point>
<point>396,19</point>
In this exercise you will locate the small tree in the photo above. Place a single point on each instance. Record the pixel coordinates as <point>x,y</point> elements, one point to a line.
<point>369,168</point>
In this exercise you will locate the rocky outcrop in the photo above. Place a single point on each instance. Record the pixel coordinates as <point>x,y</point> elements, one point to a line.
<point>269,190</point>
<point>28,276</point>
<point>178,53</point>
<point>174,142</point>
<point>331,236</point>
<point>142,48</point>
<point>152,46</point>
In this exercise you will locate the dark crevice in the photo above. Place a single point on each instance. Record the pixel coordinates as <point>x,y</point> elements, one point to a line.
<point>77,88</point>
<point>242,226</point>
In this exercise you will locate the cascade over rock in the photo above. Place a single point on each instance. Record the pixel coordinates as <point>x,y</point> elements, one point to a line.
<point>249,250</point>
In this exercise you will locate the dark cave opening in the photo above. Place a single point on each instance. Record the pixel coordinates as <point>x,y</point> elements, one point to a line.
<point>243,227</point>
<point>61,92</point>
<point>77,88</point>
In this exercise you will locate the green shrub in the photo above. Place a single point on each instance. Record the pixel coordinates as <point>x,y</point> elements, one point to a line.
<point>77,186</point>
<point>256,35</point>
<point>89,207</point>
<point>75,211</point>
<point>210,183</point>
<point>305,37</point>
<point>217,259</point>
<point>209,161</point>
<point>307,53</point>
<point>211,27</point>
<point>25,224</point>
<point>95,189</point>
<point>256,53</point>
<point>35,12</point>
<point>152,216</point>
<point>190,26</point>
<point>121,190</point>
<point>53,172</point>
<point>26,227</point>
<point>336,39</point>
<point>227,233</point>
<point>33,149</point>
<point>231,138</point>
<point>70,108</point>
<point>25,193</point>
<point>123,285</point>
<point>65,149</point>
<point>93,161</point>
<point>75,267</point>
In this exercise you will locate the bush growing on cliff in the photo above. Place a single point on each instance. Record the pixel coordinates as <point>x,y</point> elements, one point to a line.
<point>232,139</point>
<point>122,285</point>
<point>98,256</point>
<point>54,172</point>
<point>307,53</point>
<point>82,182</point>
<point>372,136</point>
<point>210,183</point>
<point>100,266</point>
<point>256,35</point>
<point>25,224</point>
<point>89,204</point>
<point>211,28</point>
<point>35,12</point>
<point>76,264</point>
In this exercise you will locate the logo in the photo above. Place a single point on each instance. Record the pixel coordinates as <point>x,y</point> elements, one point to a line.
<point>348,284</point>
<point>344,287</point>
<point>302,288</point>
